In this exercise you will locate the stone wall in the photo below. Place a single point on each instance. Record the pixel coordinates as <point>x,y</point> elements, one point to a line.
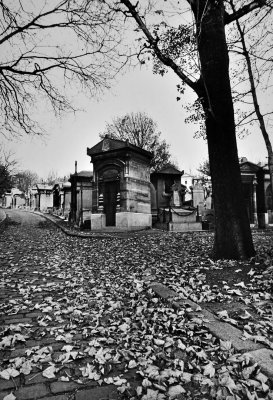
<point>135,191</point>
<point>46,201</point>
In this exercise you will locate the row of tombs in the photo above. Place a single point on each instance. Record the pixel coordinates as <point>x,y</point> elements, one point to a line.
<point>122,193</point>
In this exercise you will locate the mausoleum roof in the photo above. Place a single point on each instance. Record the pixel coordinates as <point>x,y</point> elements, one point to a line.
<point>109,144</point>
<point>88,174</point>
<point>16,191</point>
<point>44,186</point>
<point>83,174</point>
<point>169,170</point>
<point>247,166</point>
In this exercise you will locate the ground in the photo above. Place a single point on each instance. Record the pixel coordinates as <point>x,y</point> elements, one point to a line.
<point>79,320</point>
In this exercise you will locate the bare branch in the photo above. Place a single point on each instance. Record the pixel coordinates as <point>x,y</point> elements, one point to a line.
<point>236,15</point>
<point>85,54</point>
<point>131,10</point>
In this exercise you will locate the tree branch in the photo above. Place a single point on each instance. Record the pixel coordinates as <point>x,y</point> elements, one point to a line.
<point>236,15</point>
<point>153,42</point>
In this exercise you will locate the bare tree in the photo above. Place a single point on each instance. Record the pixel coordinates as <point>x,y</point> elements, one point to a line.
<point>141,130</point>
<point>253,46</point>
<point>213,89</point>
<point>8,160</point>
<point>48,46</point>
<point>54,177</point>
<point>7,169</point>
<point>25,179</point>
<point>204,168</point>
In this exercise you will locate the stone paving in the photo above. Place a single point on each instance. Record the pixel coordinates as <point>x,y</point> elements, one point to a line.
<point>27,244</point>
<point>29,248</point>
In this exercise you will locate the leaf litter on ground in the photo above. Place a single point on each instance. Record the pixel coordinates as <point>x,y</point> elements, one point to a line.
<point>92,297</point>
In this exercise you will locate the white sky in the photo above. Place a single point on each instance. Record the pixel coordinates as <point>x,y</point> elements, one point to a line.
<point>138,90</point>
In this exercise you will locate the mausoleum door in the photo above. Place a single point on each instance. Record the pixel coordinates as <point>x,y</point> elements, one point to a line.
<point>110,201</point>
<point>109,186</point>
<point>248,196</point>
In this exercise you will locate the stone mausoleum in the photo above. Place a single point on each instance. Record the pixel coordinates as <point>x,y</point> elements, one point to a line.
<point>121,196</point>
<point>170,210</point>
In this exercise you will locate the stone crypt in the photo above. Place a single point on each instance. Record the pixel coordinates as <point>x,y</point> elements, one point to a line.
<point>170,211</point>
<point>121,195</point>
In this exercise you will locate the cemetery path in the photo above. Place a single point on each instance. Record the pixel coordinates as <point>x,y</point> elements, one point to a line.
<point>80,320</point>
<point>23,218</point>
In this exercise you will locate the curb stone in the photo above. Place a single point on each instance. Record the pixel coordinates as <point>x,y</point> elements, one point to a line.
<point>224,331</point>
<point>3,217</point>
<point>106,235</point>
<point>68,232</point>
<point>92,235</point>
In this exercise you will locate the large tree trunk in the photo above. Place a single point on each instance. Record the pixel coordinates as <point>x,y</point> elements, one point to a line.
<point>233,238</point>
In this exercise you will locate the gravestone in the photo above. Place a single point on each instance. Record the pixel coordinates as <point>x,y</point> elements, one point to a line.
<point>176,200</point>
<point>198,194</point>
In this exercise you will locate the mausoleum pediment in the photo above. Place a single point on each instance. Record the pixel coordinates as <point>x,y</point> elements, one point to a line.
<point>109,145</point>
<point>250,167</point>
<point>169,170</point>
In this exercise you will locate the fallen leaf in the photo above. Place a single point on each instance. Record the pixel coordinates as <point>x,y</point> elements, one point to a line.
<point>49,372</point>
<point>10,397</point>
<point>174,391</point>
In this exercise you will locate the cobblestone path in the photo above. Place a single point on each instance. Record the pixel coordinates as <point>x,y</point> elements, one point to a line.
<point>44,299</point>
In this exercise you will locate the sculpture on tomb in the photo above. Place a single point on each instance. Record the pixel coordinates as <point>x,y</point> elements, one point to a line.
<point>178,195</point>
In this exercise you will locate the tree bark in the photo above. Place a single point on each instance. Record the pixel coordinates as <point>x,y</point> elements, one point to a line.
<point>233,238</point>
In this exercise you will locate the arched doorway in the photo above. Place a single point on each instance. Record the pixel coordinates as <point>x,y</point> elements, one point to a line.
<point>109,182</point>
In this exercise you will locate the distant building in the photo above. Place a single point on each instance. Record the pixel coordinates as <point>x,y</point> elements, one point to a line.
<point>187,180</point>
<point>18,198</point>
<point>7,199</point>
<point>13,198</point>
<point>42,197</point>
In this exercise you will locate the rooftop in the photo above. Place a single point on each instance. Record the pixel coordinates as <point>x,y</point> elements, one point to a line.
<point>110,144</point>
<point>169,169</point>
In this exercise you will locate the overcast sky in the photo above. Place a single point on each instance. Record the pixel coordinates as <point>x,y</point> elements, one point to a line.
<point>139,90</point>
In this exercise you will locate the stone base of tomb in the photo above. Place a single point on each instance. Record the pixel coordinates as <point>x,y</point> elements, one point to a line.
<point>178,220</point>
<point>97,222</point>
<point>125,221</point>
<point>184,226</point>
<point>131,220</point>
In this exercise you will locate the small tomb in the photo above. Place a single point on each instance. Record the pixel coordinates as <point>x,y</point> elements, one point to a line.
<point>170,210</point>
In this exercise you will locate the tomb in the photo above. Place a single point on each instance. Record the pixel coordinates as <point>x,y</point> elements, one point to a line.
<point>43,197</point>
<point>257,193</point>
<point>121,196</point>
<point>62,199</point>
<point>170,210</point>
<point>80,197</point>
